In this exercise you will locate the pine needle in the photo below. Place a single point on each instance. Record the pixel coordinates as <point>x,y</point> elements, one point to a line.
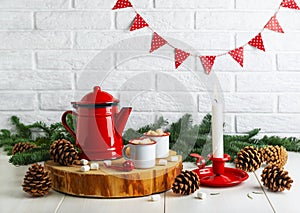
<point>248,195</point>
<point>215,193</point>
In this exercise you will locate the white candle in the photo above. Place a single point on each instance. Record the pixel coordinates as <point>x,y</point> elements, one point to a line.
<point>217,129</point>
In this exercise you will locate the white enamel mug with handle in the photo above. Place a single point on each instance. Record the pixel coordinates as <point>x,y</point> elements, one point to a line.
<point>162,144</point>
<point>143,155</point>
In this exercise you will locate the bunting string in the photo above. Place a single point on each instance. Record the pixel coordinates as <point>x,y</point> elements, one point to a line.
<point>207,61</point>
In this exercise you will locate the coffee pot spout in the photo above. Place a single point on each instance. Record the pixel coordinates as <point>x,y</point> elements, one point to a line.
<point>121,119</point>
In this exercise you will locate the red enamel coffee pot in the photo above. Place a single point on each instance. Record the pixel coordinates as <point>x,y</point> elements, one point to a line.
<point>99,125</point>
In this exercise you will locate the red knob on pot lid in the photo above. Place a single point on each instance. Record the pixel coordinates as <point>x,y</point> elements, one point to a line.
<point>97,97</point>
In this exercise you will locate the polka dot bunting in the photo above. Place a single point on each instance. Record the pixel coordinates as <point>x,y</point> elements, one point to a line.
<point>274,25</point>
<point>138,23</point>
<point>238,55</point>
<point>207,62</point>
<point>289,4</point>
<point>257,42</point>
<point>122,4</point>
<point>180,57</point>
<point>157,42</point>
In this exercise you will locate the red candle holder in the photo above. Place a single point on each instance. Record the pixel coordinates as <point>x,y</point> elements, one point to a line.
<point>218,175</point>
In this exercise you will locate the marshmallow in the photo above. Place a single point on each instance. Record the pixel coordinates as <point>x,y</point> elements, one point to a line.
<point>162,162</point>
<point>94,166</point>
<point>159,131</point>
<point>201,195</point>
<point>174,158</point>
<point>143,141</point>
<point>85,168</point>
<point>151,132</point>
<point>154,197</point>
<point>84,162</point>
<point>107,163</point>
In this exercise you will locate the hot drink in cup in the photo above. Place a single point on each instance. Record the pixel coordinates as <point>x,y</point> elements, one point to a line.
<point>162,142</point>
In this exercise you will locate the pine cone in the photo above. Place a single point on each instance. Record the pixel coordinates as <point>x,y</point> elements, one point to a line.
<point>63,152</point>
<point>275,155</point>
<point>248,159</point>
<point>22,147</point>
<point>275,178</point>
<point>262,156</point>
<point>37,181</point>
<point>186,182</point>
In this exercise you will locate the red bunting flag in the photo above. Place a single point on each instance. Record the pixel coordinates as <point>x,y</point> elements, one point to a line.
<point>180,57</point>
<point>157,42</point>
<point>274,25</point>
<point>208,62</point>
<point>122,4</point>
<point>257,42</point>
<point>289,4</point>
<point>238,55</point>
<point>138,23</point>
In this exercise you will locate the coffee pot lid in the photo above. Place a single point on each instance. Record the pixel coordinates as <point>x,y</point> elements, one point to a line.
<point>97,97</point>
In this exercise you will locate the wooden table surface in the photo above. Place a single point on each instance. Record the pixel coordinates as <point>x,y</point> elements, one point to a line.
<point>232,199</point>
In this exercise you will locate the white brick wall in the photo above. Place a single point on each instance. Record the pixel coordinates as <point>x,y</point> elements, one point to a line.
<point>47,47</point>
<point>73,20</point>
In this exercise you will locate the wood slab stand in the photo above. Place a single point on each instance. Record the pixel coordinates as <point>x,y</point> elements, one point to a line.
<point>109,183</point>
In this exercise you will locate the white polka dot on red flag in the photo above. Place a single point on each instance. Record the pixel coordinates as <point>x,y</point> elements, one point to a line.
<point>157,42</point>
<point>207,62</point>
<point>180,57</point>
<point>122,4</point>
<point>274,25</point>
<point>238,55</point>
<point>289,4</point>
<point>257,42</point>
<point>138,23</point>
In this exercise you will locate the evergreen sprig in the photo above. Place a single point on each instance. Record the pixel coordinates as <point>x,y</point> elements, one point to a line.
<point>185,138</point>
<point>24,133</point>
<point>30,156</point>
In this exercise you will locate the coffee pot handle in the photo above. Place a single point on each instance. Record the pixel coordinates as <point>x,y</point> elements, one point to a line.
<point>64,122</point>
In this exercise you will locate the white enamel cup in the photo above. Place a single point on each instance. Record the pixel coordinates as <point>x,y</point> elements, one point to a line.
<point>142,155</point>
<point>162,144</point>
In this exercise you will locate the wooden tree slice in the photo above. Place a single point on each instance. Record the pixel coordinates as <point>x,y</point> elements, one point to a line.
<point>109,183</point>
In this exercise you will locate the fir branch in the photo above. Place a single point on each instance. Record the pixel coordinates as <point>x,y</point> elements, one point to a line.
<point>205,125</point>
<point>6,141</point>
<point>42,127</point>
<point>245,137</point>
<point>183,125</point>
<point>22,130</point>
<point>23,133</point>
<point>30,156</point>
<point>58,131</point>
<point>5,133</point>
<point>12,141</point>
<point>291,143</point>
<point>185,138</point>
<point>8,149</point>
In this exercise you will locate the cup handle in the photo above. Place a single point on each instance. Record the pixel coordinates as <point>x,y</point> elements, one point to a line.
<point>124,152</point>
<point>64,122</point>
